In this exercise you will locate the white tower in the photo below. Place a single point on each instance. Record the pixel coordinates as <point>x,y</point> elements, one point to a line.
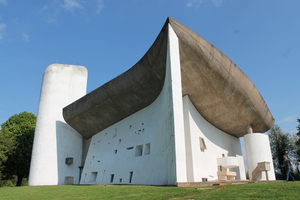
<point>54,140</point>
<point>258,151</point>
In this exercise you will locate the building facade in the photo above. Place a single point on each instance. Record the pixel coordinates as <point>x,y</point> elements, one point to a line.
<point>177,116</point>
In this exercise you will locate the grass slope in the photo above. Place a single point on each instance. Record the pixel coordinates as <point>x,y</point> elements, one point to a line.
<point>270,190</point>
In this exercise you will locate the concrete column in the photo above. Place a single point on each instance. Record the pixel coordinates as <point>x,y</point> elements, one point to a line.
<point>62,84</point>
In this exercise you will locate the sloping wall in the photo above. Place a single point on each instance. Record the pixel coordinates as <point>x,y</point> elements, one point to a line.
<point>202,163</point>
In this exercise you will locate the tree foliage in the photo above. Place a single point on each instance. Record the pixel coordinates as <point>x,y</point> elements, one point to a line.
<point>298,139</point>
<point>16,138</point>
<point>281,144</point>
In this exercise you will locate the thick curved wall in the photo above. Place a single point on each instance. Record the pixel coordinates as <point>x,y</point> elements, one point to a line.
<point>54,140</point>
<point>257,147</point>
<point>202,163</point>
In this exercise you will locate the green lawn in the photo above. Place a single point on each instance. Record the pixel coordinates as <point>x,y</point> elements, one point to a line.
<point>270,190</point>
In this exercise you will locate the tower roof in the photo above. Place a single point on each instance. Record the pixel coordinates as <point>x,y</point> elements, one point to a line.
<point>219,90</point>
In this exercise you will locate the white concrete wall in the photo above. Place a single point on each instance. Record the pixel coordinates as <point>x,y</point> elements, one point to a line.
<point>53,139</point>
<point>257,147</point>
<point>113,150</point>
<point>173,68</point>
<point>203,163</point>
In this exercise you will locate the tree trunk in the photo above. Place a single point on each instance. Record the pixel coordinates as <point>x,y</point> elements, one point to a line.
<point>19,181</point>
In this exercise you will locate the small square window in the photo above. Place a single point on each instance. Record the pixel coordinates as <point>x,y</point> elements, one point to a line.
<point>139,150</point>
<point>147,149</point>
<point>69,161</point>
<point>202,144</point>
<point>93,176</point>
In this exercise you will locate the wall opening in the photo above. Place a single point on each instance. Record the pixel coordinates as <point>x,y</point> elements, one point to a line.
<point>202,144</point>
<point>112,176</point>
<point>130,176</point>
<point>147,149</point>
<point>69,180</point>
<point>115,151</point>
<point>93,176</point>
<point>69,161</point>
<point>139,150</point>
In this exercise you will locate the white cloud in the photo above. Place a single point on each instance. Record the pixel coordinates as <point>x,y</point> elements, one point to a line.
<point>3,2</point>
<point>25,37</point>
<point>71,4</point>
<point>2,30</point>
<point>288,119</point>
<point>194,3</point>
<point>100,6</point>
<point>51,11</point>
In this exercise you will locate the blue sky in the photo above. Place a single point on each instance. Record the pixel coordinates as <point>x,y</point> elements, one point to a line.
<point>110,36</point>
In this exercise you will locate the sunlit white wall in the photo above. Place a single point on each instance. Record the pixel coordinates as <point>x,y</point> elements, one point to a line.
<point>53,139</point>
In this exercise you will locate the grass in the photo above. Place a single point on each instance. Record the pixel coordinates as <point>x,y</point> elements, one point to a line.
<point>263,190</point>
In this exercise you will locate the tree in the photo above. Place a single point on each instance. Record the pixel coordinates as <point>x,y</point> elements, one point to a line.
<point>16,138</point>
<point>298,139</point>
<point>281,144</point>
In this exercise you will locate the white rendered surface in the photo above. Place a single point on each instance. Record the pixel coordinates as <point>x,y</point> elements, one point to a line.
<point>173,64</point>
<point>159,145</point>
<point>228,162</point>
<point>142,143</point>
<point>203,163</point>
<point>54,140</point>
<point>116,151</point>
<point>257,147</point>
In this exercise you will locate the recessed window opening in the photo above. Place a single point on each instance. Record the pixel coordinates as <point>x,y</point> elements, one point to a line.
<point>93,176</point>
<point>112,176</point>
<point>116,151</point>
<point>69,180</point>
<point>202,144</point>
<point>147,149</point>
<point>130,176</point>
<point>120,180</point>
<point>120,140</point>
<point>69,161</point>
<point>139,150</point>
<point>128,148</point>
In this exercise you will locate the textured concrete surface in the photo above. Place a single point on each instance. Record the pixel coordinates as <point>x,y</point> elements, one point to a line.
<point>219,90</point>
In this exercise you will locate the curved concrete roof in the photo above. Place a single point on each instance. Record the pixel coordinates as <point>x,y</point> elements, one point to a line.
<point>219,90</point>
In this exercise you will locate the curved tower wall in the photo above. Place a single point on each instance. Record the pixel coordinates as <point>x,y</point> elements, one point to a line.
<point>257,147</point>
<point>54,140</point>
